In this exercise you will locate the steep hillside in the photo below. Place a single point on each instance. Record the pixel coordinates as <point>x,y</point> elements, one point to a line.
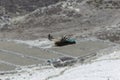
<point>82,18</point>
<point>19,7</point>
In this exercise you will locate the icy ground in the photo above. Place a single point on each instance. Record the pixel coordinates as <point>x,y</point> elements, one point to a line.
<point>41,43</point>
<point>104,68</point>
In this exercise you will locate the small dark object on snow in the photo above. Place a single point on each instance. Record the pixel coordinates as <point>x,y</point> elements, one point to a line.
<point>65,40</point>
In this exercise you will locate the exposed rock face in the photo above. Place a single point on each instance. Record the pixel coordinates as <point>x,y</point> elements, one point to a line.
<point>112,34</point>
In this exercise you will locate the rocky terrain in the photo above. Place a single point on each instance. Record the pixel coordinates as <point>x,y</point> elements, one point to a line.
<point>27,54</point>
<point>33,19</point>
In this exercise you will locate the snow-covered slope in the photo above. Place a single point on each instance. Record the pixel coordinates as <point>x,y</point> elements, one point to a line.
<point>103,68</point>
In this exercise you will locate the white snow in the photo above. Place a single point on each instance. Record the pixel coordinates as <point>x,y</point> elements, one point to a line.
<point>106,67</point>
<point>33,74</point>
<point>73,8</point>
<point>42,43</point>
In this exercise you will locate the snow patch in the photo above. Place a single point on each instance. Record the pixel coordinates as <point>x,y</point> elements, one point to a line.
<point>33,74</point>
<point>76,9</point>
<point>103,69</point>
<point>43,43</point>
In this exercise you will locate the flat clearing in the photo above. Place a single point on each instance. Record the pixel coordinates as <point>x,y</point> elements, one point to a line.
<point>14,55</point>
<point>18,60</point>
<point>82,48</point>
<point>25,50</point>
<point>5,67</point>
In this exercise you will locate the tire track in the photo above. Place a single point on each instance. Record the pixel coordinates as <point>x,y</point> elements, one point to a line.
<point>21,55</point>
<point>59,53</point>
<point>8,63</point>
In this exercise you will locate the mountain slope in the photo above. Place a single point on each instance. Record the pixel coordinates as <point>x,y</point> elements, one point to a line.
<point>82,18</point>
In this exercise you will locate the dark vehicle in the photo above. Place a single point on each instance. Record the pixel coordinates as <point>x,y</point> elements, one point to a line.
<point>65,40</point>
